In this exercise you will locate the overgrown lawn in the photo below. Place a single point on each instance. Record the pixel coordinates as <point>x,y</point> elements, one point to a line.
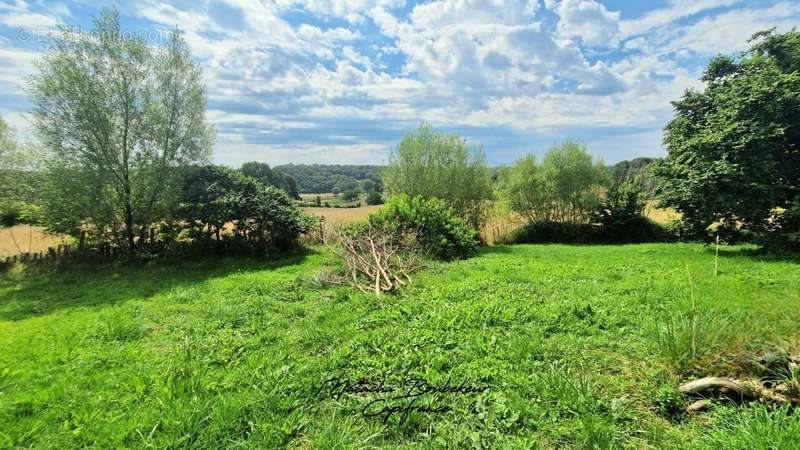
<point>580,346</point>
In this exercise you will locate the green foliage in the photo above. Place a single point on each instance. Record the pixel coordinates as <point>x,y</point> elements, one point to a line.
<point>734,147</point>
<point>262,172</point>
<point>321,178</point>
<point>211,197</point>
<point>13,212</point>
<point>350,195</point>
<point>374,198</point>
<point>783,229</point>
<point>438,231</point>
<point>430,164</point>
<point>20,169</point>
<point>270,219</point>
<point>565,188</point>
<point>263,216</point>
<point>235,350</point>
<point>119,118</point>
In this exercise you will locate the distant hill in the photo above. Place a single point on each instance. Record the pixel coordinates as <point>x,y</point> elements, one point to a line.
<point>319,178</point>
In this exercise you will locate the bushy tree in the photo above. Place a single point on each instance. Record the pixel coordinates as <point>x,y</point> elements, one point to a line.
<point>565,187</point>
<point>263,216</point>
<point>270,219</point>
<point>374,198</point>
<point>119,118</point>
<point>734,146</point>
<point>436,227</point>
<point>211,197</point>
<point>430,164</point>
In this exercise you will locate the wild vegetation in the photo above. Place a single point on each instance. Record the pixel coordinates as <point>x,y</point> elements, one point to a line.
<point>581,347</point>
<point>401,329</point>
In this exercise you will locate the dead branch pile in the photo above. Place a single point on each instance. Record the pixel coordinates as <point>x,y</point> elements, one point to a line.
<point>376,260</point>
<point>786,392</point>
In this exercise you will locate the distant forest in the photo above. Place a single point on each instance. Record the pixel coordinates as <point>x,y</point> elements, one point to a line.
<point>319,178</point>
<point>322,178</point>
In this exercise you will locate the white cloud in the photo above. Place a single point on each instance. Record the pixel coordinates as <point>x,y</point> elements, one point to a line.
<point>675,10</point>
<point>586,20</point>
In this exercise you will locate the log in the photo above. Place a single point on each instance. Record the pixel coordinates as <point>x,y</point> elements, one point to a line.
<point>744,389</point>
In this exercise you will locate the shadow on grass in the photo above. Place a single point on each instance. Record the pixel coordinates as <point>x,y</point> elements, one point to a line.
<point>41,291</point>
<point>753,252</point>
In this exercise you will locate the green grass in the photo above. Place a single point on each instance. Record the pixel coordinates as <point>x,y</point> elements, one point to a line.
<point>582,346</point>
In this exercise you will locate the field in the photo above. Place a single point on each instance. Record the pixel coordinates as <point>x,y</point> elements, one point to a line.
<point>343,215</point>
<point>565,346</point>
<point>22,239</point>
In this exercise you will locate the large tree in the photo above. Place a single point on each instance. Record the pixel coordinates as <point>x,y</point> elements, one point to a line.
<point>119,117</point>
<point>432,164</point>
<point>734,147</point>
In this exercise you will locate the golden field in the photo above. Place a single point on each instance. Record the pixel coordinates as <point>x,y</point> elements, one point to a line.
<point>26,239</point>
<point>22,238</point>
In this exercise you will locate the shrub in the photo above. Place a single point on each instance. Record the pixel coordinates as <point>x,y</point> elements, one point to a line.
<point>621,216</point>
<point>374,198</point>
<point>431,164</point>
<point>270,220</point>
<point>437,229</point>
<point>634,231</point>
<point>783,230</point>
<point>13,212</point>
<point>264,217</point>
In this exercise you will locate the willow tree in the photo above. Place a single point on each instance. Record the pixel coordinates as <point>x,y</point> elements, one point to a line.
<point>119,118</point>
<point>432,164</point>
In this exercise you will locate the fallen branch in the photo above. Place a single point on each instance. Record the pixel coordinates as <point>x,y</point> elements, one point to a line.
<point>742,389</point>
<point>376,260</point>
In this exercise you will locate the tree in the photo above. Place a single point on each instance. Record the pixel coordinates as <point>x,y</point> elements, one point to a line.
<point>263,173</point>
<point>431,164</point>
<point>211,197</point>
<point>374,198</point>
<point>564,188</point>
<point>119,119</point>
<point>20,179</point>
<point>734,147</point>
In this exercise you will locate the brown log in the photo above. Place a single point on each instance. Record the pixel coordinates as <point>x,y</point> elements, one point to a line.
<point>744,389</point>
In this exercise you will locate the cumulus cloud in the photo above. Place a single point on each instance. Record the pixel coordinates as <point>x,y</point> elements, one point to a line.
<point>586,20</point>
<point>340,80</point>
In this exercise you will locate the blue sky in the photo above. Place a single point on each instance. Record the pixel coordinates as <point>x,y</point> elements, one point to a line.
<point>340,81</point>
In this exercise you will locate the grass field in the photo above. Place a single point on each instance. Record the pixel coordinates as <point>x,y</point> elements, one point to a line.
<point>580,346</point>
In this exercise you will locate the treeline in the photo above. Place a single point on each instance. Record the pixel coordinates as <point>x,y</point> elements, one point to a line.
<point>320,178</point>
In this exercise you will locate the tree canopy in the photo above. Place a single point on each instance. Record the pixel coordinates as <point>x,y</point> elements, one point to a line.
<point>431,164</point>
<point>734,146</point>
<point>119,119</point>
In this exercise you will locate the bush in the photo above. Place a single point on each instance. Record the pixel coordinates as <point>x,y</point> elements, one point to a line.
<point>783,230</point>
<point>270,220</point>
<point>13,212</point>
<point>264,217</point>
<point>437,229</point>
<point>374,198</point>
<point>634,231</point>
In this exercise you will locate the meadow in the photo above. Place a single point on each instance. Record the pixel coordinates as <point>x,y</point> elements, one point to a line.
<point>572,347</point>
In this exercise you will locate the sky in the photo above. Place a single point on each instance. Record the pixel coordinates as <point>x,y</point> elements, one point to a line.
<point>341,81</point>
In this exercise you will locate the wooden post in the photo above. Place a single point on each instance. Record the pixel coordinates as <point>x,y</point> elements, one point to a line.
<point>716,258</point>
